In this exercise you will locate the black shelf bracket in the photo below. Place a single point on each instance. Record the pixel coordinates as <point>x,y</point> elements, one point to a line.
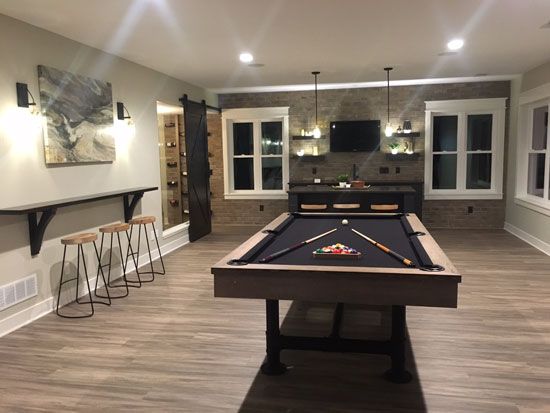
<point>130,205</point>
<point>37,227</point>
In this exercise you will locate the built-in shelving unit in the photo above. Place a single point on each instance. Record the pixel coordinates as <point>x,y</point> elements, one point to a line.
<point>406,135</point>
<point>403,156</point>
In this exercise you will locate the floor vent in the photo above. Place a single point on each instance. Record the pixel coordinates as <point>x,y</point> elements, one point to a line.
<point>17,291</point>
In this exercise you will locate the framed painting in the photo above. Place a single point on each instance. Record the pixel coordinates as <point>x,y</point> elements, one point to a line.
<point>79,117</point>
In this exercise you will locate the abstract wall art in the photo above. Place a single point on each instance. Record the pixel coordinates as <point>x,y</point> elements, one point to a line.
<point>79,117</point>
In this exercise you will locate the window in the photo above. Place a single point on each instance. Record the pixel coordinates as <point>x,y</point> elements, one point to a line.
<point>464,149</point>
<point>533,172</point>
<point>255,146</point>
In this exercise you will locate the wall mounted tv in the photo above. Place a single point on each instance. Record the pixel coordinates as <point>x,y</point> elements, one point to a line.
<point>355,136</point>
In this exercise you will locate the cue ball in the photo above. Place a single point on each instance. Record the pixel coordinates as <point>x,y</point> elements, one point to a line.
<point>344,222</point>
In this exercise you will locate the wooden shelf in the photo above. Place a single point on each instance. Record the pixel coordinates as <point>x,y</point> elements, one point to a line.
<point>306,138</point>
<point>309,158</point>
<point>403,156</point>
<point>37,225</point>
<point>406,135</point>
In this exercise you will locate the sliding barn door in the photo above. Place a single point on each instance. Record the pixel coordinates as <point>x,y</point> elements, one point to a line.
<point>198,168</point>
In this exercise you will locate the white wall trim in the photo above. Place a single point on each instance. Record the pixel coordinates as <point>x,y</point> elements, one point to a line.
<point>40,309</point>
<point>255,116</point>
<point>541,208</point>
<point>528,238</point>
<point>359,85</point>
<point>176,230</point>
<point>465,195</point>
<point>461,108</point>
<point>532,95</point>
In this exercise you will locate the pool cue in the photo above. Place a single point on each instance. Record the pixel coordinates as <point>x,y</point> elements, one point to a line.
<point>296,246</point>
<point>394,254</point>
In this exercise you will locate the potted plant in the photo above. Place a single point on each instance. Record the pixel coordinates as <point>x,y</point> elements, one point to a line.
<point>394,148</point>
<point>342,180</point>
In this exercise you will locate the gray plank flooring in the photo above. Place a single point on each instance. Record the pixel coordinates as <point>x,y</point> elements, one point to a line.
<point>171,347</point>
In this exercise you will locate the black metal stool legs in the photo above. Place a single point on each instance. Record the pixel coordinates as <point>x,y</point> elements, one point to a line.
<point>135,256</point>
<point>108,284</point>
<point>80,252</point>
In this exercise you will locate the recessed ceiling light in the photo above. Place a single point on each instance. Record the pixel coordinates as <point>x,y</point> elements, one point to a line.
<point>455,44</point>
<point>246,57</point>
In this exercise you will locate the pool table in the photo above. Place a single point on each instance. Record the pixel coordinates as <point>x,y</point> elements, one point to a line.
<point>375,278</point>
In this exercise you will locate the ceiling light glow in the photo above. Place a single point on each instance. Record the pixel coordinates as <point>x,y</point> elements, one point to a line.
<point>246,57</point>
<point>455,44</point>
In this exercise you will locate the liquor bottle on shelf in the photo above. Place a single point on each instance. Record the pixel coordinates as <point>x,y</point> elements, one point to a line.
<point>183,154</point>
<point>170,144</point>
<point>184,173</point>
<point>172,183</point>
<point>171,164</point>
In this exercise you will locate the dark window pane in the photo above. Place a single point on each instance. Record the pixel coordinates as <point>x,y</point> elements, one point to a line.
<point>243,171</point>
<point>445,131</point>
<point>272,173</point>
<point>540,128</point>
<point>480,129</point>
<point>272,138</point>
<point>535,176</point>
<point>444,172</point>
<point>243,139</point>
<point>478,173</point>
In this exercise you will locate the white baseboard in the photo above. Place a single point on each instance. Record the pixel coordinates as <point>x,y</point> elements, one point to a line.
<point>40,309</point>
<point>528,238</point>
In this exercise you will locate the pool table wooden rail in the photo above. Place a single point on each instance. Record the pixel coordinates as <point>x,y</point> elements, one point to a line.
<point>347,284</point>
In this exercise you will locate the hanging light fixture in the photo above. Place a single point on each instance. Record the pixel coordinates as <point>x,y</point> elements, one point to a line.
<point>389,129</point>
<point>316,130</point>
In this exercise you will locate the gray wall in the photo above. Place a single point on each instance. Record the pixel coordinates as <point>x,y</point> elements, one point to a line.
<point>407,102</point>
<point>25,177</point>
<point>532,223</point>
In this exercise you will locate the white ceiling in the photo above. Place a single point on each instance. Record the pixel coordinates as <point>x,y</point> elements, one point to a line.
<point>347,40</point>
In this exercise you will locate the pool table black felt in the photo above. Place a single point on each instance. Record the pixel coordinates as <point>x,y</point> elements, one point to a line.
<point>391,230</point>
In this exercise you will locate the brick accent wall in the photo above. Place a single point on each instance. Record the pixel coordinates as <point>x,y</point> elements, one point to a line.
<point>407,102</point>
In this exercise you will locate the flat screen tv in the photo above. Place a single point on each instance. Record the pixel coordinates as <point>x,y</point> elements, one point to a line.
<point>355,136</point>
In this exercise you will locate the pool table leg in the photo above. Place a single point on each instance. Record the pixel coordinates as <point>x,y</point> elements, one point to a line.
<point>398,340</point>
<point>272,365</point>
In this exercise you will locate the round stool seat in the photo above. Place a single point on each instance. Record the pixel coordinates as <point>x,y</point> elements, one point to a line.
<point>116,227</point>
<point>81,238</point>
<point>142,220</point>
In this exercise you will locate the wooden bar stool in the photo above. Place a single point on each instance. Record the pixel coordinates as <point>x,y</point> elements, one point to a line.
<point>143,222</point>
<point>313,207</point>
<point>112,229</point>
<point>79,240</point>
<point>346,206</point>
<point>384,207</point>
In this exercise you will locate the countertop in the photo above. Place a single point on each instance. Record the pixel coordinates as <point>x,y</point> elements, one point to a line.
<point>374,189</point>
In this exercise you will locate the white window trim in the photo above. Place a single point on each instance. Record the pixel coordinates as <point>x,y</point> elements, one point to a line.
<point>528,101</point>
<point>253,114</point>
<point>462,108</point>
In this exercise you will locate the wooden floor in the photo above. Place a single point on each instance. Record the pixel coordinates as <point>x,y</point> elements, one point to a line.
<point>171,346</point>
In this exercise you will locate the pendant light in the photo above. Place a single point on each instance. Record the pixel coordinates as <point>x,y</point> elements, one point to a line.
<point>389,130</point>
<point>316,130</point>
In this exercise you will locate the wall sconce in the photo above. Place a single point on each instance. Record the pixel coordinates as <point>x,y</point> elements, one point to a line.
<point>407,127</point>
<point>23,94</point>
<point>121,115</point>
